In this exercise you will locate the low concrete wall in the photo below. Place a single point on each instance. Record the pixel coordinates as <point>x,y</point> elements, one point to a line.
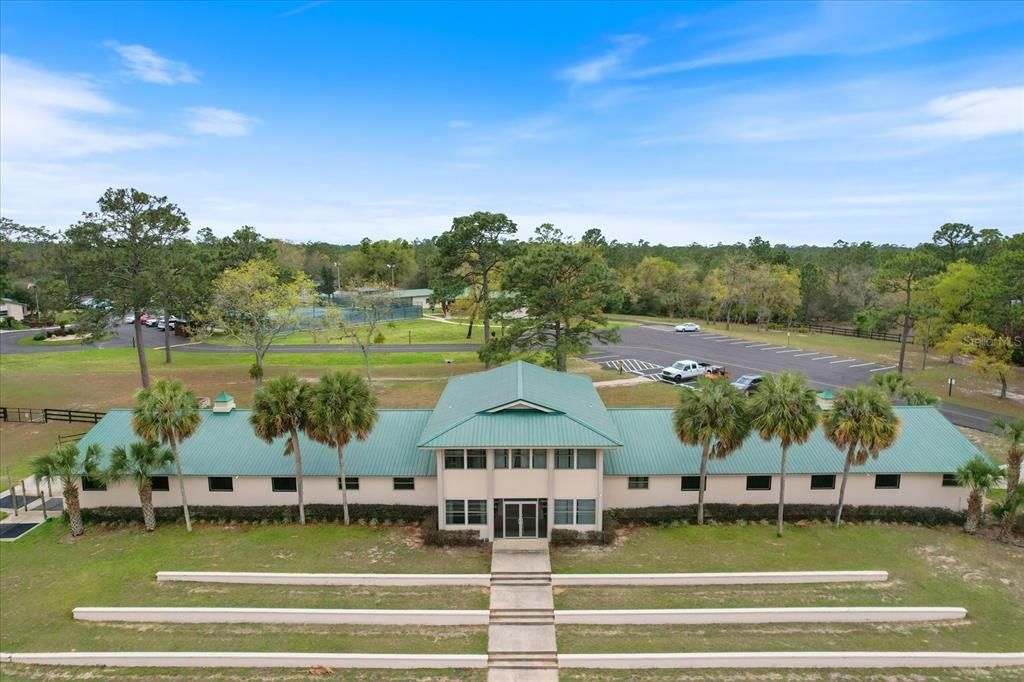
<point>234,659</point>
<point>866,614</point>
<point>368,579</point>
<point>794,659</point>
<point>764,578</point>
<point>294,616</point>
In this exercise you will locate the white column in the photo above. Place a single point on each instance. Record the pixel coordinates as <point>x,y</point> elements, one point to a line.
<point>439,454</point>
<point>550,459</point>
<point>490,495</point>
<point>600,490</point>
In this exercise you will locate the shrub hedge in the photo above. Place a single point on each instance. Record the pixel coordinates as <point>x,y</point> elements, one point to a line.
<point>288,513</point>
<point>605,536</point>
<point>435,537</point>
<point>728,513</point>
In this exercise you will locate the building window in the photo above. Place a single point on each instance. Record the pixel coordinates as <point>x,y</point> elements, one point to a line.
<point>949,481</point>
<point>160,484</point>
<point>93,484</point>
<point>639,483</point>
<point>688,483</point>
<point>220,484</point>
<point>823,482</point>
<point>563,459</point>
<point>404,483</point>
<point>520,459</point>
<point>759,482</point>
<point>586,511</point>
<point>586,459</point>
<point>501,459</point>
<point>540,459</point>
<point>476,459</point>
<point>455,512</point>
<point>477,512</point>
<point>887,481</point>
<point>351,483</point>
<point>454,459</point>
<point>563,512</point>
<point>282,484</point>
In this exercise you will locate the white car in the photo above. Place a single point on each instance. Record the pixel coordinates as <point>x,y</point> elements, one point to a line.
<point>688,327</point>
<point>680,371</point>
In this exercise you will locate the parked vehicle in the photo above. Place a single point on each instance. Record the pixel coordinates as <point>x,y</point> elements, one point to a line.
<point>145,318</point>
<point>716,371</point>
<point>688,327</point>
<point>748,383</point>
<point>683,370</point>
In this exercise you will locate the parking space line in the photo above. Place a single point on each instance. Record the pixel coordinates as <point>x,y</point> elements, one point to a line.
<point>863,364</point>
<point>736,343</point>
<point>758,345</point>
<point>882,368</point>
<point>795,350</point>
<point>723,339</point>
<point>772,348</point>
<point>711,337</point>
<point>824,357</point>
<point>803,355</point>
<point>836,362</point>
<point>596,358</point>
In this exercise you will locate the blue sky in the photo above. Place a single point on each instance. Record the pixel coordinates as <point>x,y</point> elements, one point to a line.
<point>674,123</point>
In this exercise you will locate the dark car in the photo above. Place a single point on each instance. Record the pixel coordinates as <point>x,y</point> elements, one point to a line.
<point>748,383</point>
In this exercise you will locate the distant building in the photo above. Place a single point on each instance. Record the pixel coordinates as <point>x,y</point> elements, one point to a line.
<point>417,297</point>
<point>9,308</point>
<point>519,450</point>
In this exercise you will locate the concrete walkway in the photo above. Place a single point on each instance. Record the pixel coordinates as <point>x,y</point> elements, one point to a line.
<point>521,633</point>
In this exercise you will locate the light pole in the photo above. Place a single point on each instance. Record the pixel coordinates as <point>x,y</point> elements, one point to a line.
<point>337,284</point>
<point>391,267</point>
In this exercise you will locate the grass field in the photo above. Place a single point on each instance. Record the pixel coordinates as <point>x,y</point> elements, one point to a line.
<point>117,567</point>
<point>940,567</point>
<point>25,673</point>
<point>816,675</point>
<point>401,332</point>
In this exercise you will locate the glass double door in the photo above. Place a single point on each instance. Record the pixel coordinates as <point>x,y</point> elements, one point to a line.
<point>520,519</point>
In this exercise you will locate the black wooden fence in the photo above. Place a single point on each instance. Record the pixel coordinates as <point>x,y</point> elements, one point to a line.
<point>44,415</point>
<point>846,331</point>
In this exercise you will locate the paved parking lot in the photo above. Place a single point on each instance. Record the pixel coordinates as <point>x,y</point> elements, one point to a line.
<point>645,349</point>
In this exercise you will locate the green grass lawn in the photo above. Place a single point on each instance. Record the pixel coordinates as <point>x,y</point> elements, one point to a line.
<point>45,574</point>
<point>401,332</point>
<point>798,675</point>
<point>25,673</point>
<point>28,340</point>
<point>940,567</point>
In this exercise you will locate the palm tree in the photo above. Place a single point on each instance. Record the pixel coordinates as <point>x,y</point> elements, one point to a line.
<point>279,408</point>
<point>341,406</point>
<point>861,423</point>
<point>893,384</point>
<point>1007,510</point>
<point>139,461</point>
<point>65,464</point>
<point>980,475</point>
<point>715,417</point>
<point>785,408</point>
<point>168,413</point>
<point>1012,431</point>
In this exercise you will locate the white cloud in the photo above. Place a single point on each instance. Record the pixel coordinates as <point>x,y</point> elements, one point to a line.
<point>146,65</point>
<point>600,68</point>
<point>220,122</point>
<point>972,115</point>
<point>48,115</point>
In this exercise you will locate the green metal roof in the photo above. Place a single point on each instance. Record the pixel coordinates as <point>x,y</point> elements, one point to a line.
<point>516,403</point>
<point>225,445</point>
<point>224,397</point>
<point>928,443</point>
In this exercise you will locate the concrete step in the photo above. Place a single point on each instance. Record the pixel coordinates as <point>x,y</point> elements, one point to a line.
<point>523,616</point>
<point>513,620</point>
<point>520,578</point>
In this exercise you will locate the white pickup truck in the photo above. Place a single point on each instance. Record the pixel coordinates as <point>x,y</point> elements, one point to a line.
<point>683,370</point>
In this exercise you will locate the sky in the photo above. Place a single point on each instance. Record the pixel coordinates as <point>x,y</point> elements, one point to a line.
<point>672,123</point>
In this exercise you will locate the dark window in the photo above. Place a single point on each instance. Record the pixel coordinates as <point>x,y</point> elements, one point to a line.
<point>949,481</point>
<point>586,511</point>
<point>220,484</point>
<point>639,483</point>
<point>351,483</point>
<point>160,484</point>
<point>454,459</point>
<point>477,512</point>
<point>455,512</point>
<point>563,459</point>
<point>404,483</point>
<point>476,459</point>
<point>823,482</point>
<point>563,512</point>
<point>501,459</point>
<point>586,459</point>
<point>520,459</point>
<point>282,484</point>
<point>759,482</point>
<point>93,484</point>
<point>890,481</point>
<point>540,459</point>
<point>692,483</point>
